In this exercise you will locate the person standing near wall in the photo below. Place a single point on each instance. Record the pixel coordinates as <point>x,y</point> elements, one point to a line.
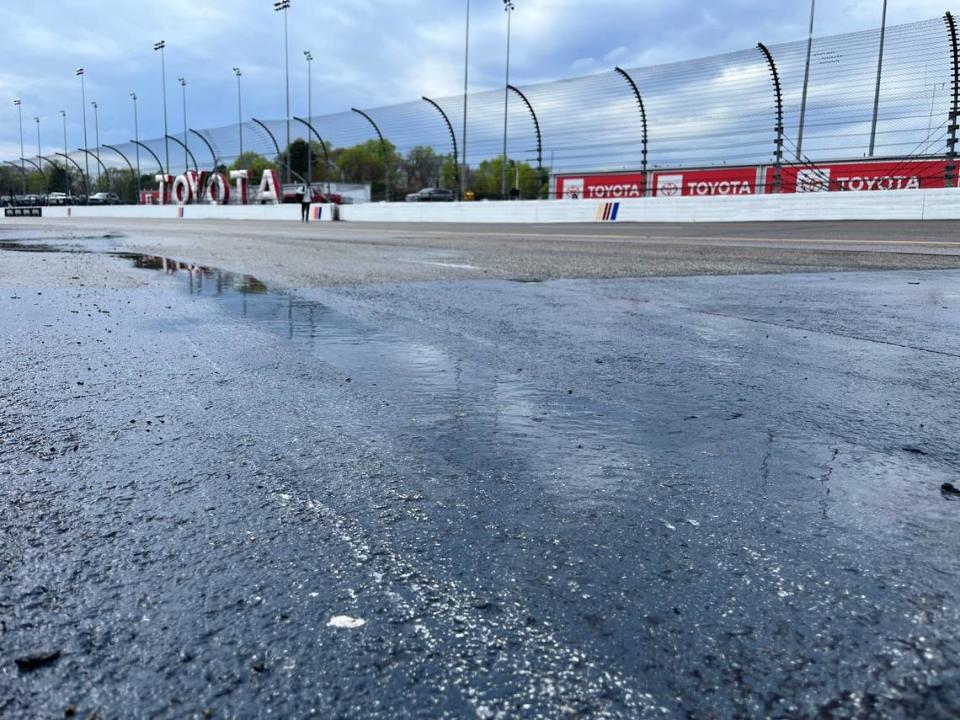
<point>304,201</point>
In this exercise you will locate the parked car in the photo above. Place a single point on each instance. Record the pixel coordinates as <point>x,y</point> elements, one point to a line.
<point>59,198</point>
<point>432,195</point>
<point>104,198</point>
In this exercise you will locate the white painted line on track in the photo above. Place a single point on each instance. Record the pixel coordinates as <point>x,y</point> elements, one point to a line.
<point>441,264</point>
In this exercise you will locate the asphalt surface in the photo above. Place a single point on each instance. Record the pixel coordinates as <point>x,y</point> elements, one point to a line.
<point>326,254</point>
<point>343,487</point>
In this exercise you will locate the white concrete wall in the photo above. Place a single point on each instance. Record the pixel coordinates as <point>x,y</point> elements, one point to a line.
<point>894,205</point>
<point>288,212</point>
<point>527,211</point>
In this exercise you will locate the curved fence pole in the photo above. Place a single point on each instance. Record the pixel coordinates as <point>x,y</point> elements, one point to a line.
<point>954,102</point>
<point>152,154</point>
<point>383,150</point>
<point>643,112</point>
<point>453,139</point>
<point>40,170</point>
<point>86,184</point>
<point>272,138</point>
<point>279,156</point>
<point>536,127</point>
<point>182,144</point>
<point>94,155</point>
<point>778,93</point>
<point>48,161</point>
<point>133,173</point>
<point>216,160</point>
<point>326,154</point>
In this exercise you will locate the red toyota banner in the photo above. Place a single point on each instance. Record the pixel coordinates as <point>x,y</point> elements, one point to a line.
<point>600,187</point>
<point>715,182</point>
<point>862,177</point>
<point>705,183</point>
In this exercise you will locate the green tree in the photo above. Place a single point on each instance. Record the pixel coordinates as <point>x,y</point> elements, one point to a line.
<point>36,183</point>
<point>299,157</point>
<point>485,181</point>
<point>450,173</point>
<point>254,162</point>
<point>421,168</point>
<point>11,181</point>
<point>366,163</point>
<point>56,177</point>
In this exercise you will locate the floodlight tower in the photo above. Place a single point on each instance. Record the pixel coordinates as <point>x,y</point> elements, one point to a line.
<point>161,46</point>
<point>508,6</point>
<point>284,6</point>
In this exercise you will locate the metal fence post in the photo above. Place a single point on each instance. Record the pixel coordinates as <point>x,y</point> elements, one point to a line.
<point>383,151</point>
<point>536,127</point>
<point>778,94</point>
<point>216,160</point>
<point>453,139</point>
<point>954,102</point>
<point>643,116</point>
<point>152,153</point>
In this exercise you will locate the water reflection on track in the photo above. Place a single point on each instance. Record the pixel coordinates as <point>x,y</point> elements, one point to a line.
<point>491,422</point>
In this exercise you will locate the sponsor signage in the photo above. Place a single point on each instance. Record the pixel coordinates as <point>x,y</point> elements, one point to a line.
<point>705,183</point>
<point>608,212</point>
<point>601,187</point>
<point>862,177</point>
<point>23,212</point>
<point>213,189</point>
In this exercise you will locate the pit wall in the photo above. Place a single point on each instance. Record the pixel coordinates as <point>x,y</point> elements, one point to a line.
<point>881,205</point>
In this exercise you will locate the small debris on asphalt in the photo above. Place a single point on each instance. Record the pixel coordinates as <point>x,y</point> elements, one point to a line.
<point>345,622</point>
<point>36,660</point>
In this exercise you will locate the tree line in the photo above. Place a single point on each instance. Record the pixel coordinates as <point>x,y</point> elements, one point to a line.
<point>390,173</point>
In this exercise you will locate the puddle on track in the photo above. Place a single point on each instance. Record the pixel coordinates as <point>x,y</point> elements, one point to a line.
<point>489,422</point>
<point>469,414</point>
<point>477,419</point>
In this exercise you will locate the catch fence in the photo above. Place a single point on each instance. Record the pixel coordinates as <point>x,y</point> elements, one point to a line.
<point>764,106</point>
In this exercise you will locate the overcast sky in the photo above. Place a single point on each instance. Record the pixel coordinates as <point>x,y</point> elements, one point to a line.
<point>367,52</point>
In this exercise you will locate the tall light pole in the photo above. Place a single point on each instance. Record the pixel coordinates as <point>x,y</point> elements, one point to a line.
<point>23,172</point>
<point>284,5</point>
<point>466,82</point>
<point>309,58</point>
<point>83,94</point>
<point>66,170</point>
<point>508,7</point>
<point>39,150</point>
<point>806,83</point>
<point>136,136</point>
<point>236,71</point>
<point>161,46</point>
<point>96,126</point>
<point>183,87</point>
<point>876,97</point>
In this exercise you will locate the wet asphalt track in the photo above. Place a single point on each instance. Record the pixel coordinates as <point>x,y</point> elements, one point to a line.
<point>689,497</point>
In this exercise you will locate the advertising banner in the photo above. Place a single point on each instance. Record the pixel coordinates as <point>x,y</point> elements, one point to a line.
<point>601,187</point>
<point>705,183</point>
<point>23,212</point>
<point>862,177</point>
